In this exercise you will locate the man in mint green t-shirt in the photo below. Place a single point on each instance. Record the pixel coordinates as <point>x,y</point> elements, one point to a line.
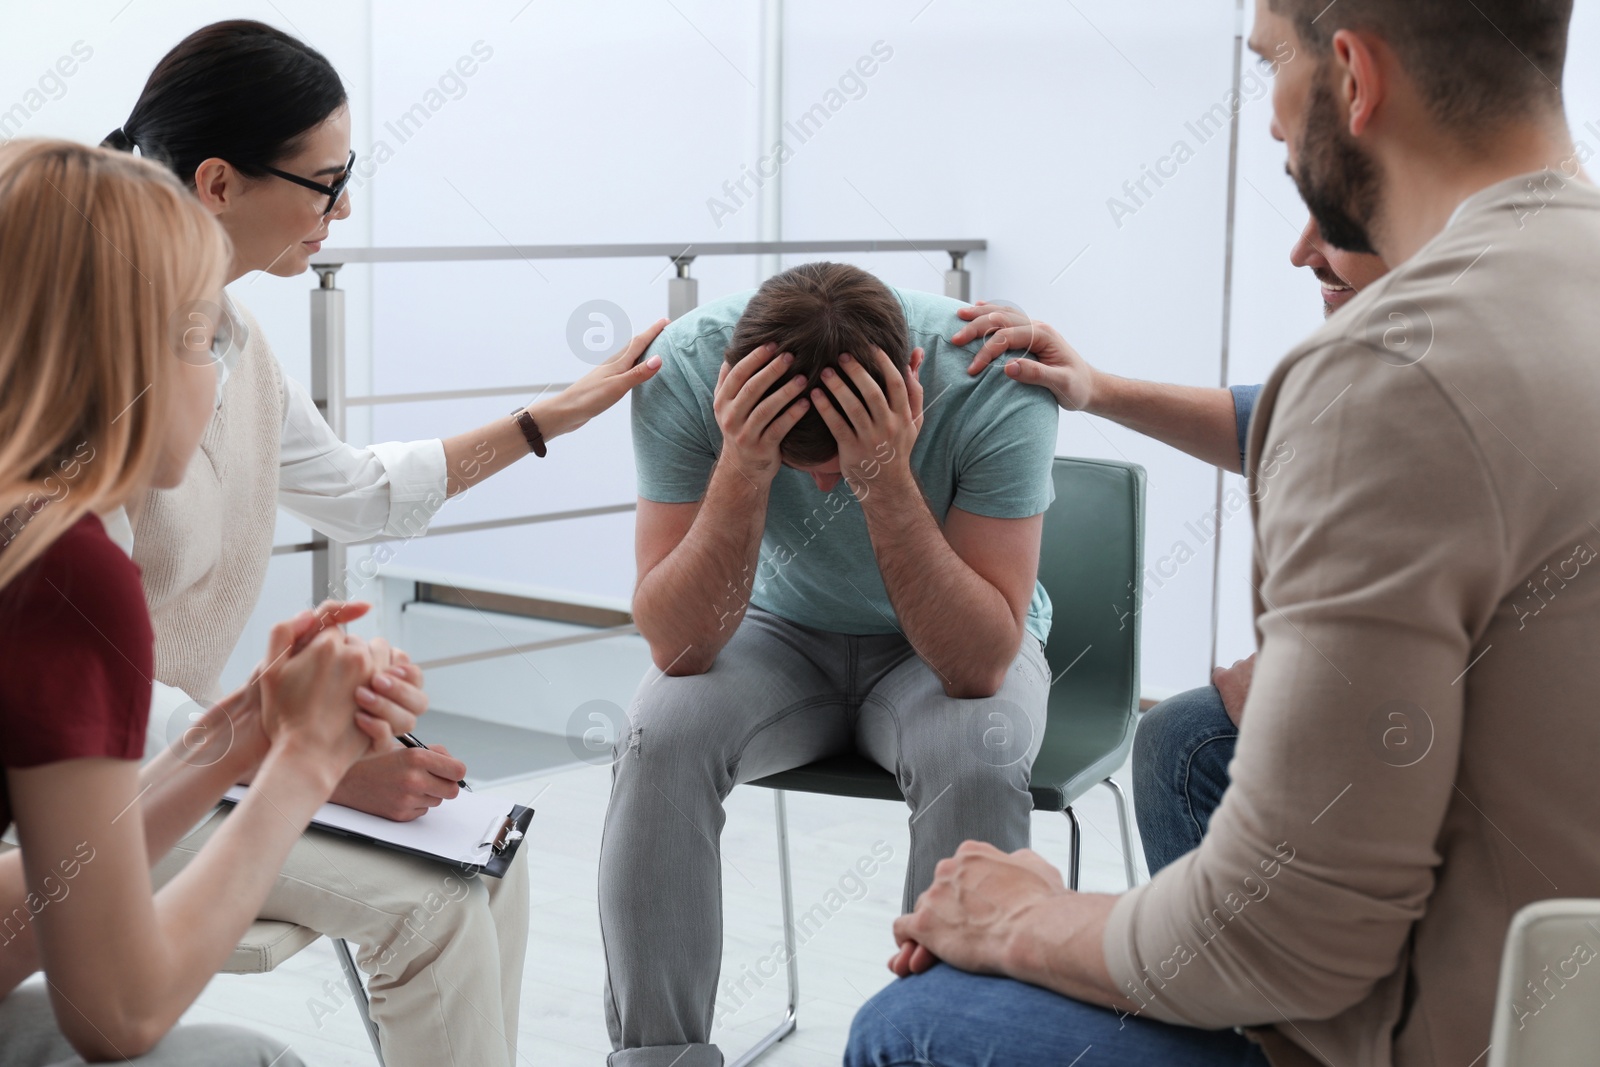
<point>838,546</point>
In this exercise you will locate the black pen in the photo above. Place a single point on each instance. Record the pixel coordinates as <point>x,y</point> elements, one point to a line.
<point>410,741</point>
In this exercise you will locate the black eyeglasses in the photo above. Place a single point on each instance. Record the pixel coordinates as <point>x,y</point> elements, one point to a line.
<point>332,192</point>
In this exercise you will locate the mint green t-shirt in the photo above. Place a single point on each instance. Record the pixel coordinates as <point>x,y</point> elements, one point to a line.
<point>985,447</point>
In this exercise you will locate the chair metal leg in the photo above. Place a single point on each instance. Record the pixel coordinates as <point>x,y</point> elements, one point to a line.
<point>1077,844</point>
<point>358,992</point>
<point>1126,827</point>
<point>787,1026</point>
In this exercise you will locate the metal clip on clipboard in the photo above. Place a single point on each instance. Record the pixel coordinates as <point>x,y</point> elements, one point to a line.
<point>502,835</point>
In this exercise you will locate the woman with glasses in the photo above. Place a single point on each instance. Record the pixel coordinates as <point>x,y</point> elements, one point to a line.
<point>257,125</point>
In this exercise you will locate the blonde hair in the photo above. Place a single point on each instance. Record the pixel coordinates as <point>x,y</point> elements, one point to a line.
<point>100,256</point>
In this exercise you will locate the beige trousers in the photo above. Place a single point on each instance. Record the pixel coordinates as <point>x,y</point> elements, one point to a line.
<point>443,953</point>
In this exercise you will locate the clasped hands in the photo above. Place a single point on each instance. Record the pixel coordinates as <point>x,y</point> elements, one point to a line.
<point>983,913</point>
<point>347,698</point>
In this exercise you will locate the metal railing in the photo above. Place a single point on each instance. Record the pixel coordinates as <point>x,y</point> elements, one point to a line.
<point>329,558</point>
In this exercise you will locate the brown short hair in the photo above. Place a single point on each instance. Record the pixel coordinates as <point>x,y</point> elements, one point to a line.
<point>1464,57</point>
<point>817,311</point>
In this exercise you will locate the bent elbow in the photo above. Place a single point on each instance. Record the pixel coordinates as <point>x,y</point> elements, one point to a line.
<point>113,1041</point>
<point>1328,982</point>
<point>1325,993</point>
<point>1311,989</point>
<point>1312,994</point>
<point>983,679</point>
<point>680,664</point>
<point>975,685</point>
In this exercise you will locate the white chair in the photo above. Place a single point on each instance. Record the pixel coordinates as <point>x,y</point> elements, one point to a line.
<point>269,942</point>
<point>1547,1006</point>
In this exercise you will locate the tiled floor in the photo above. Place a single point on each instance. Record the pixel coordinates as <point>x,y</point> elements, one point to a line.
<point>841,962</point>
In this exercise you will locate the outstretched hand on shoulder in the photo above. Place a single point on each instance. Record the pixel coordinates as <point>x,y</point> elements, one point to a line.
<point>1055,366</point>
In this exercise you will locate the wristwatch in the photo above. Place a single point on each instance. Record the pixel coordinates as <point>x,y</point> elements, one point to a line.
<point>530,430</point>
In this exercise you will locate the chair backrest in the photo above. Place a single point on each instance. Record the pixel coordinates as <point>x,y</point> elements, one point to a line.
<point>1547,1009</point>
<point>1091,564</point>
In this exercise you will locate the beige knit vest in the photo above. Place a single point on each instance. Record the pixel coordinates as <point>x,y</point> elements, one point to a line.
<point>204,546</point>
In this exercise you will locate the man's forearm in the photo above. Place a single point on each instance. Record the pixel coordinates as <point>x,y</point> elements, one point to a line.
<point>954,618</point>
<point>688,605</point>
<point>1061,947</point>
<point>1194,419</point>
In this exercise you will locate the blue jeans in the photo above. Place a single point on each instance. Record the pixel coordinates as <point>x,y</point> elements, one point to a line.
<point>1180,770</point>
<point>950,1018</point>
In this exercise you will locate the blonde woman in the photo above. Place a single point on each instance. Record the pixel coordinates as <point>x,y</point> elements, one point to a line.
<point>97,254</point>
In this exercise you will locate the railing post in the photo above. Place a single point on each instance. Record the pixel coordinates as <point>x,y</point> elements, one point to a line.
<point>327,389</point>
<point>683,292</point>
<point>958,280</point>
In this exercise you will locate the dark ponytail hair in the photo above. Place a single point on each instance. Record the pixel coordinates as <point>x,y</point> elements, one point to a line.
<point>238,90</point>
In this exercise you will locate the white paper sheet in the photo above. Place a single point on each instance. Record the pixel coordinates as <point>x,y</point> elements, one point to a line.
<point>458,830</point>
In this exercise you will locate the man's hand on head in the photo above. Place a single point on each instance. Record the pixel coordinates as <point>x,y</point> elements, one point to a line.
<point>876,431</point>
<point>753,428</point>
<point>1056,365</point>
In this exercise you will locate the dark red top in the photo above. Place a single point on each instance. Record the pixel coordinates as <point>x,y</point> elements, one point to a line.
<point>76,656</point>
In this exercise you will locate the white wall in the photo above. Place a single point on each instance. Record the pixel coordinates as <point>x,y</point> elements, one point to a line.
<point>1015,121</point>
<point>1017,124</point>
<point>587,128</point>
<point>580,127</point>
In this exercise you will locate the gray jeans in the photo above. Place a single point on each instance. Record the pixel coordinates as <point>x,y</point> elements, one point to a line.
<point>779,696</point>
<point>29,1037</point>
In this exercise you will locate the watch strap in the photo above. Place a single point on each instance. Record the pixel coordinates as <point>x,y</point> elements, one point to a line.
<point>530,431</point>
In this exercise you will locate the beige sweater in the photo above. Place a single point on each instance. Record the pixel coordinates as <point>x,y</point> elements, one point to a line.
<point>203,547</point>
<point>1417,758</point>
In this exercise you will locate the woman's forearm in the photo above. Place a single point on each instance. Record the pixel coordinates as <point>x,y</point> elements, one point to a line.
<point>182,783</point>
<point>177,788</point>
<point>207,907</point>
<point>491,448</point>
<point>169,944</point>
<point>471,457</point>
<point>19,955</point>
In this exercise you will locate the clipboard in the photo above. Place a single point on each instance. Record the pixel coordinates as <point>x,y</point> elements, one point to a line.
<point>473,833</point>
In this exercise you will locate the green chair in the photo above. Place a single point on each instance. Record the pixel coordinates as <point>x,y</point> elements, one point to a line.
<point>1091,563</point>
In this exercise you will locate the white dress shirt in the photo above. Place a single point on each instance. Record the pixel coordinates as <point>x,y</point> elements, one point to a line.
<point>345,492</point>
<point>349,493</point>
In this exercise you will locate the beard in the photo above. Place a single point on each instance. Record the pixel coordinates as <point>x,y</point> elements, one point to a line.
<point>1337,179</point>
